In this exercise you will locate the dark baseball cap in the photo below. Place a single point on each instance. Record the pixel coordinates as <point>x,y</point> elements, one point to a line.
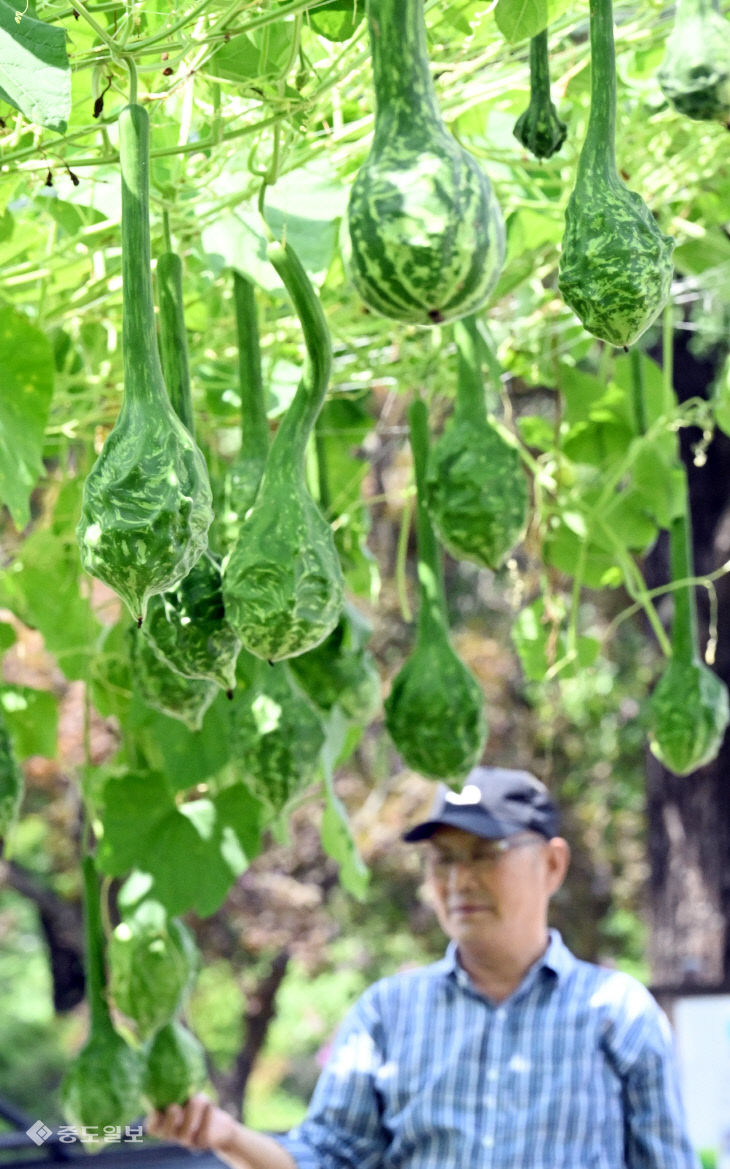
<point>494,802</point>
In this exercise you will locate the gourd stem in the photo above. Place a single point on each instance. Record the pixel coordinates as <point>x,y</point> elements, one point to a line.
<point>681,562</point>
<point>403,87</point>
<point>638,399</point>
<point>289,445</point>
<point>323,480</point>
<point>539,67</point>
<point>599,148</point>
<point>432,597</point>
<point>254,424</point>
<point>94,948</point>
<point>173,338</point>
<point>470,399</point>
<point>140,357</point>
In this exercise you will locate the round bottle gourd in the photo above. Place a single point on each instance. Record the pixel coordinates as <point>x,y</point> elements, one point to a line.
<point>187,627</point>
<point>688,708</point>
<point>616,265</point>
<point>425,230</point>
<point>538,128</point>
<point>695,72</point>
<point>341,671</point>
<point>103,1086</point>
<point>283,587</point>
<point>146,505</point>
<point>175,1068</point>
<point>435,710</point>
<point>476,487</point>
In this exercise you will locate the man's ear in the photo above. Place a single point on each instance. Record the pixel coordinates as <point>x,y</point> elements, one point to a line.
<point>558,859</point>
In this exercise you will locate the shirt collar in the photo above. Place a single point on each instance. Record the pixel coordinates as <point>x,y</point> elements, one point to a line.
<point>557,959</point>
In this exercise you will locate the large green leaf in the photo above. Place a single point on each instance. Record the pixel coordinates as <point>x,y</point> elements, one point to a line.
<point>35,75</point>
<point>521,19</point>
<point>26,387</point>
<point>32,719</point>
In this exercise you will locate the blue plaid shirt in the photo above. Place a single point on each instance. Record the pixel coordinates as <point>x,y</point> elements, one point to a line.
<point>575,1070</point>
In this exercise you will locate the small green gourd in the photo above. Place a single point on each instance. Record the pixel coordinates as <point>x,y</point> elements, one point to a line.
<point>616,265</point>
<point>187,627</point>
<point>688,708</point>
<point>435,710</point>
<point>476,487</point>
<point>341,671</point>
<point>146,505</point>
<point>426,232</point>
<point>283,587</point>
<point>175,1066</point>
<point>276,733</point>
<point>695,72</point>
<point>152,962</point>
<point>538,128</point>
<point>166,690</point>
<point>12,783</point>
<point>103,1086</point>
<point>246,471</point>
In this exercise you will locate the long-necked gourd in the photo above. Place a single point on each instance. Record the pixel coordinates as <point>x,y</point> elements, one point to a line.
<point>341,671</point>
<point>187,627</point>
<point>103,1086</point>
<point>695,72</point>
<point>146,505</point>
<point>283,587</point>
<point>616,264</point>
<point>276,733</point>
<point>426,232</point>
<point>688,708</point>
<point>435,710</point>
<point>175,1066</point>
<point>539,128</point>
<point>166,690</point>
<point>476,487</point>
<point>246,470</point>
<point>11,782</point>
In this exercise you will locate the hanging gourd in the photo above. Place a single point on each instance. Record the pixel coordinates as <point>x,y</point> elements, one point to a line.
<point>152,963</point>
<point>426,233</point>
<point>103,1086</point>
<point>538,128</point>
<point>616,265</point>
<point>695,73</point>
<point>175,1066</point>
<point>435,710</point>
<point>283,587</point>
<point>187,627</point>
<point>246,470</point>
<point>476,487</point>
<point>341,671</point>
<point>276,733</point>
<point>166,690</point>
<point>688,708</point>
<point>12,782</point>
<point>146,505</point>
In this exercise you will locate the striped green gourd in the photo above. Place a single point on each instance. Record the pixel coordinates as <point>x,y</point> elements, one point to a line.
<point>175,1066</point>
<point>695,72</point>
<point>616,265</point>
<point>688,708</point>
<point>147,502</point>
<point>187,627</point>
<point>167,690</point>
<point>103,1085</point>
<point>283,587</point>
<point>426,233</point>
<point>11,781</point>
<point>435,710</point>
<point>476,487</point>
<point>341,671</point>
<point>538,128</point>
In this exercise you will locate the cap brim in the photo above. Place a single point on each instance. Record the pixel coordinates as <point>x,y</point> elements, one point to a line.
<point>472,819</point>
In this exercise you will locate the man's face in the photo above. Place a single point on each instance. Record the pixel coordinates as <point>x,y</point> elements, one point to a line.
<point>493,891</point>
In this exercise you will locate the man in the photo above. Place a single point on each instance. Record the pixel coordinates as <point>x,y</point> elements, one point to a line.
<point>509,1052</point>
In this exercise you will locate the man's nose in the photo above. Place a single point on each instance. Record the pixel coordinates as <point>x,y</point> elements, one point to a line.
<point>462,874</point>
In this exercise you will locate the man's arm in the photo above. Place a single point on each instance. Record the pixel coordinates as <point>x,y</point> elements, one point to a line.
<point>201,1124</point>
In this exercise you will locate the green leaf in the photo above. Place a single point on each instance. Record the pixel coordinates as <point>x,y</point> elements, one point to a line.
<point>541,642</point>
<point>185,757</point>
<point>536,432</point>
<point>26,361</point>
<point>519,20</point>
<point>337,20</point>
<point>336,834</point>
<point>7,636</point>
<point>32,719</point>
<point>35,74</point>
<point>263,55</point>
<point>193,851</point>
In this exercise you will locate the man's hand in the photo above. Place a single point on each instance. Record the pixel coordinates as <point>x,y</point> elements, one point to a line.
<point>198,1124</point>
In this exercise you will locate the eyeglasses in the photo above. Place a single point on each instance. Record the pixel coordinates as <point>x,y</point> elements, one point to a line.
<point>483,857</point>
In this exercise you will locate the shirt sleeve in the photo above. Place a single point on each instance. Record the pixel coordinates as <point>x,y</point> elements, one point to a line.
<point>656,1135</point>
<point>343,1128</point>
